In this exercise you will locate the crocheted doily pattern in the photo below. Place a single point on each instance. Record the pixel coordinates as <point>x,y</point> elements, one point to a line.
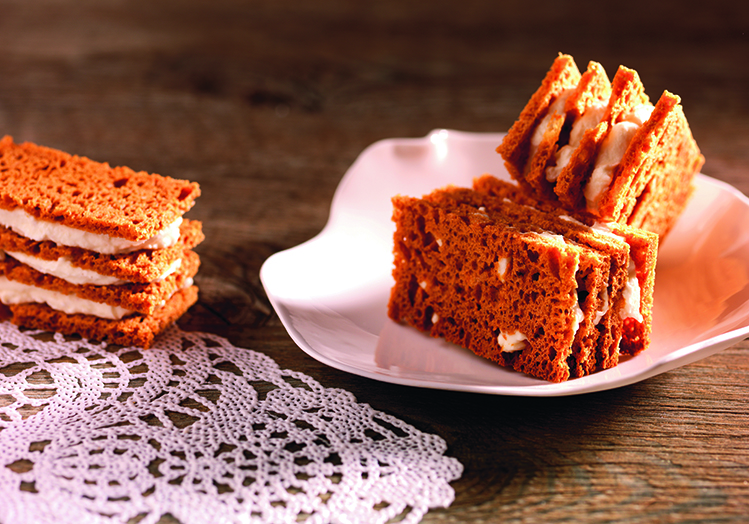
<point>202,431</point>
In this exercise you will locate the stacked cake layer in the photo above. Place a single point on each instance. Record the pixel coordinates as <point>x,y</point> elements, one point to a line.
<point>539,292</point>
<point>89,249</point>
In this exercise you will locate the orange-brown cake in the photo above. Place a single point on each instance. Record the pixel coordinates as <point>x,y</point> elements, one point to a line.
<point>133,330</point>
<point>543,294</point>
<point>142,266</point>
<point>90,196</point>
<point>604,149</point>
<point>132,297</point>
<point>641,259</point>
<point>100,251</point>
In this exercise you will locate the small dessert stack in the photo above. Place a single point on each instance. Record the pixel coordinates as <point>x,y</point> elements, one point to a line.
<point>88,249</point>
<point>603,149</point>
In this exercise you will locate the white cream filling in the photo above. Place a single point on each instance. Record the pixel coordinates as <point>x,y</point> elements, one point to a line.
<point>555,108</point>
<point>590,118</point>
<point>604,228</point>
<point>553,237</point>
<point>62,268</point>
<point>612,152</point>
<point>502,264</point>
<point>12,292</point>
<point>511,342</point>
<point>631,294</point>
<point>26,225</point>
<point>572,220</point>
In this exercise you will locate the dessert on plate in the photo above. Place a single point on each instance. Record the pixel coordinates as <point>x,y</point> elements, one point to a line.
<point>553,275</point>
<point>102,252</point>
<point>536,291</point>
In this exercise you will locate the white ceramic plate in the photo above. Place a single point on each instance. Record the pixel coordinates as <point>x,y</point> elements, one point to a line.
<point>331,292</point>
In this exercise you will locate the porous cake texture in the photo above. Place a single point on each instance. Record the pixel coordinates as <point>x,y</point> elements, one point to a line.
<point>603,148</point>
<point>543,294</point>
<point>91,196</point>
<point>640,261</point>
<point>553,275</point>
<point>141,266</point>
<point>88,249</point>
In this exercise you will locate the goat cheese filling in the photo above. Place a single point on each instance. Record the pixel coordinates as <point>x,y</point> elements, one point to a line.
<point>12,292</point>
<point>62,268</point>
<point>28,226</point>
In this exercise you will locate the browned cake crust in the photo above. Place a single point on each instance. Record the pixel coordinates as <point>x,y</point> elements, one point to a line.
<point>142,266</point>
<point>594,87</point>
<point>516,148</point>
<point>143,298</point>
<point>642,249</point>
<point>448,282</point>
<point>80,193</point>
<point>136,330</point>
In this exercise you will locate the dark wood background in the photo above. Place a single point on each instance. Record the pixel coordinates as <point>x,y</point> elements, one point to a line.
<point>266,104</point>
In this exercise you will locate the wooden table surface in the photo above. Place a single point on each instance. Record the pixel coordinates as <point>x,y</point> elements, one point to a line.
<point>266,104</point>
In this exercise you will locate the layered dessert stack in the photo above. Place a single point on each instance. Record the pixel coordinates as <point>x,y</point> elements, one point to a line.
<point>602,148</point>
<point>553,275</point>
<point>89,249</point>
<point>536,291</point>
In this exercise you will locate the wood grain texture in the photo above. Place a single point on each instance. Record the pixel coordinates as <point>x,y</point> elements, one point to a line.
<point>266,104</point>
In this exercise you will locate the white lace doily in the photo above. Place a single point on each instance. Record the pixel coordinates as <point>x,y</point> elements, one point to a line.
<point>203,431</point>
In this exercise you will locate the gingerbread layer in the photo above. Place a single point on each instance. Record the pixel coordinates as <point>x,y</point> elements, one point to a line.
<point>647,187</point>
<point>91,196</point>
<point>142,266</point>
<point>135,330</point>
<point>143,298</point>
<point>642,251</point>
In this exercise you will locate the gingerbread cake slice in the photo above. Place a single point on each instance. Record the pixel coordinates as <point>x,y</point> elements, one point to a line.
<point>522,142</point>
<point>46,194</point>
<point>83,266</point>
<point>600,275</point>
<point>641,257</point>
<point>533,291</point>
<point>622,159</point>
<point>92,245</point>
<point>133,330</point>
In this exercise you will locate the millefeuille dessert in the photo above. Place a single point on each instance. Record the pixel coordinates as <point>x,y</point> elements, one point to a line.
<point>89,249</point>
<point>553,275</point>
<point>539,292</point>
